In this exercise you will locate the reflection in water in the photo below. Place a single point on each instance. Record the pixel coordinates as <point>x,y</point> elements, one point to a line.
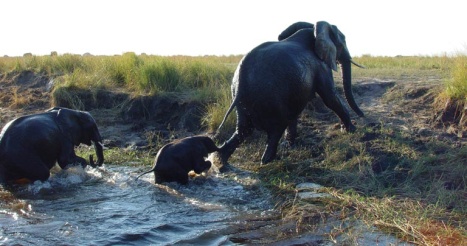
<point>106,206</point>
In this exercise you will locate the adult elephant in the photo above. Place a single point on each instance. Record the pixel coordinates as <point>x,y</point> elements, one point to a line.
<point>274,82</point>
<point>31,145</point>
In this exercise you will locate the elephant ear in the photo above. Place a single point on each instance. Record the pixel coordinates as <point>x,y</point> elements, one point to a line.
<point>68,123</point>
<point>325,48</point>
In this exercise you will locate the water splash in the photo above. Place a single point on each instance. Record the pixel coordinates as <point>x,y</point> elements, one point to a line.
<point>106,205</point>
<point>60,179</point>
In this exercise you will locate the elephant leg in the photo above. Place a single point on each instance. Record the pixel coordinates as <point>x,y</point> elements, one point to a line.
<point>202,166</point>
<point>81,161</point>
<point>271,148</point>
<point>36,170</point>
<point>39,172</point>
<point>70,158</point>
<point>29,166</point>
<point>291,132</point>
<point>332,101</point>
<point>244,129</point>
<point>159,178</point>
<point>2,175</point>
<point>179,176</point>
<point>183,180</point>
<point>227,149</point>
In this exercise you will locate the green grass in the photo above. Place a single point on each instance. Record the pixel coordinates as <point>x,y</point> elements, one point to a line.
<point>385,177</point>
<point>142,74</point>
<point>456,86</point>
<point>206,79</point>
<point>118,156</point>
<point>406,62</point>
<point>402,67</point>
<point>414,189</point>
<point>203,78</point>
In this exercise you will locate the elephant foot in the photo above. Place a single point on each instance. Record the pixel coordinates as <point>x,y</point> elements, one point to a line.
<point>91,162</point>
<point>350,128</point>
<point>267,157</point>
<point>226,168</point>
<point>271,149</point>
<point>265,161</point>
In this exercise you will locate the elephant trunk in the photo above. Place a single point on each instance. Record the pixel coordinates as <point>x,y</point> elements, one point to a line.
<point>98,146</point>
<point>347,81</point>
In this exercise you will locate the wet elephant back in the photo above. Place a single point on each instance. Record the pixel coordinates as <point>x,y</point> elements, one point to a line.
<point>30,133</point>
<point>267,93</point>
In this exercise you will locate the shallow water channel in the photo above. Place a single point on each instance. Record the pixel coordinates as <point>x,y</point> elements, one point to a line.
<point>107,206</point>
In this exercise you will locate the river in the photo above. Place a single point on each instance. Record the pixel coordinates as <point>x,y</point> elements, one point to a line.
<point>108,206</point>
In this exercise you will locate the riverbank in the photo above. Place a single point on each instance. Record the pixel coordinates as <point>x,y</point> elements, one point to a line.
<point>400,174</point>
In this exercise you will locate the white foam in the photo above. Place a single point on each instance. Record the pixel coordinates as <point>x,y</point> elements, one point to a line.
<point>64,178</point>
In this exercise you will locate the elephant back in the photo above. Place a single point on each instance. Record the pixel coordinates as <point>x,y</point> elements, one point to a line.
<point>33,127</point>
<point>274,68</point>
<point>272,80</point>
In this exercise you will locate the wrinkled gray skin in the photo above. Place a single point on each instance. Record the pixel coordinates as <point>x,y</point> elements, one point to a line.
<point>175,160</point>
<point>274,82</point>
<point>330,46</point>
<point>31,145</point>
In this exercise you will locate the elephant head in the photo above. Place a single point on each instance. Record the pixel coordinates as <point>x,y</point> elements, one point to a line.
<point>330,46</point>
<point>205,146</point>
<point>80,127</point>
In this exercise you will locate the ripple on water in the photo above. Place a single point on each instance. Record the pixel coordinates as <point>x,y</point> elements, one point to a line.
<point>107,206</point>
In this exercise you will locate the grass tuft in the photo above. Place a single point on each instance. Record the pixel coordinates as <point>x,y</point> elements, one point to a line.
<point>456,86</point>
<point>412,188</point>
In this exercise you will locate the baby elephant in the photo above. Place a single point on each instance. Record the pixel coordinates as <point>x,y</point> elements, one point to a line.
<point>175,160</point>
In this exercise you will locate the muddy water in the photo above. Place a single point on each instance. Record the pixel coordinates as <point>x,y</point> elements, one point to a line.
<point>107,206</point>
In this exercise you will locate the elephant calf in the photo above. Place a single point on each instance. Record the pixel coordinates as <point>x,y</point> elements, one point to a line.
<point>31,145</point>
<point>175,160</point>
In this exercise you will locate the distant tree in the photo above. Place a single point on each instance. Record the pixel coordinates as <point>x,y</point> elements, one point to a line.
<point>27,54</point>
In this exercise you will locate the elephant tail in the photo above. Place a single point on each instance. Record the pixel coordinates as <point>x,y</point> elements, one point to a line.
<point>144,173</point>
<point>232,106</point>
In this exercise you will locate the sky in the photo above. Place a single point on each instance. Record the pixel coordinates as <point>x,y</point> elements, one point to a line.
<point>226,27</point>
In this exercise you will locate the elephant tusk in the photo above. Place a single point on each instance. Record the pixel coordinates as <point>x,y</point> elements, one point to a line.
<point>356,64</point>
